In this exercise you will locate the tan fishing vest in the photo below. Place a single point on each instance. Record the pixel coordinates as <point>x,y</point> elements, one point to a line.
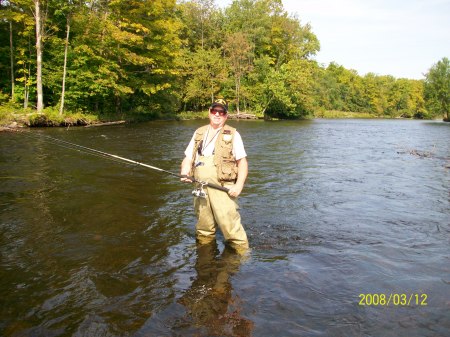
<point>223,152</point>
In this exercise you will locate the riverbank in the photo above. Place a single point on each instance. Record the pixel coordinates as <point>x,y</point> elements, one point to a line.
<point>191,115</point>
<point>13,117</point>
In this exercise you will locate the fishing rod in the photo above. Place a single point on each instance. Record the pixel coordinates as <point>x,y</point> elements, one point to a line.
<point>199,192</point>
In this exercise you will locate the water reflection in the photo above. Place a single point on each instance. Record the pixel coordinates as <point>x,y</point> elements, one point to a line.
<point>209,301</point>
<point>209,306</point>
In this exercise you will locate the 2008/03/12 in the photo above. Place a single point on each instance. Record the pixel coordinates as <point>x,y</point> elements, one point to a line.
<point>393,299</point>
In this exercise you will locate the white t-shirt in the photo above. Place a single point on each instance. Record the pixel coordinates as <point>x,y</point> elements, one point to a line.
<point>238,145</point>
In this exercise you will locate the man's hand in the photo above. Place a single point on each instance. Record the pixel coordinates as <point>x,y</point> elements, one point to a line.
<point>186,179</point>
<point>235,190</point>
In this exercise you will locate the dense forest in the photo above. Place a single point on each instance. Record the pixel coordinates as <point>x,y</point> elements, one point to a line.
<point>156,58</point>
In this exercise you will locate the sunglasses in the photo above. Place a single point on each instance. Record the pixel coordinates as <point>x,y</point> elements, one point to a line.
<point>221,112</point>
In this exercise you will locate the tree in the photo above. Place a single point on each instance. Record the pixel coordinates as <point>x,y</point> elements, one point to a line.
<point>201,24</point>
<point>67,8</point>
<point>9,17</point>
<point>122,56</point>
<point>252,18</point>
<point>20,17</point>
<point>238,50</point>
<point>297,76</point>
<point>204,73</point>
<point>266,85</point>
<point>437,88</point>
<point>39,29</point>
<point>270,30</point>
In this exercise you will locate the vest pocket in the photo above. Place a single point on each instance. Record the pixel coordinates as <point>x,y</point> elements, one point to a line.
<point>229,169</point>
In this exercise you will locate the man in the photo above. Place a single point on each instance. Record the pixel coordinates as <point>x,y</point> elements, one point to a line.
<point>216,155</point>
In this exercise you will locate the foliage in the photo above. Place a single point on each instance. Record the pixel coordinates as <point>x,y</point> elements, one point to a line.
<point>437,86</point>
<point>343,114</point>
<point>341,89</point>
<point>154,58</point>
<point>203,73</point>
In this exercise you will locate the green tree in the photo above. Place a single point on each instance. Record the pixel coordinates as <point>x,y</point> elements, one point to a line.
<point>8,15</point>
<point>417,99</point>
<point>20,53</point>
<point>350,89</point>
<point>266,85</point>
<point>123,56</point>
<point>252,18</point>
<point>298,76</point>
<point>272,40</point>
<point>201,24</point>
<point>40,28</point>
<point>238,53</point>
<point>437,88</point>
<point>270,30</point>
<point>205,73</point>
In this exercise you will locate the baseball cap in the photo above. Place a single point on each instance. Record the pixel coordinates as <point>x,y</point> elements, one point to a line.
<point>220,102</point>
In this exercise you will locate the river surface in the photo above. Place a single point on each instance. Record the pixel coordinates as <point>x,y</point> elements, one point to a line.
<point>348,220</point>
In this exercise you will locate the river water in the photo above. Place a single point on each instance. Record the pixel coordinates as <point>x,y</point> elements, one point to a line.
<point>348,220</point>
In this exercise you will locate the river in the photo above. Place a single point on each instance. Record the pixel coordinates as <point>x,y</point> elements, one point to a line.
<point>348,222</point>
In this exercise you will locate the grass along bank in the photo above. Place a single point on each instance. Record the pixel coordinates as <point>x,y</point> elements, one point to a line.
<point>11,116</point>
<point>343,114</point>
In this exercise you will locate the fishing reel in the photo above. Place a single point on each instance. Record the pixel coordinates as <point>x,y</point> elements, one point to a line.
<point>199,192</point>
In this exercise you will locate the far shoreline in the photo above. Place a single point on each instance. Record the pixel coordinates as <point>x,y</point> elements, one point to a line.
<point>30,120</point>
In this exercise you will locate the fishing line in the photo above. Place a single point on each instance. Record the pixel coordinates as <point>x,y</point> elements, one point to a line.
<point>79,148</point>
<point>119,159</point>
<point>72,146</point>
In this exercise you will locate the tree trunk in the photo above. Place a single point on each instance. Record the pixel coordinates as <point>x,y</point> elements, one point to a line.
<point>27,78</point>
<point>212,90</point>
<point>38,18</point>
<point>238,89</point>
<point>63,91</point>
<point>26,89</point>
<point>12,58</point>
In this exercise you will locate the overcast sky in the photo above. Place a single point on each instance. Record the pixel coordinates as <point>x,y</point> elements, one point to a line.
<point>403,38</point>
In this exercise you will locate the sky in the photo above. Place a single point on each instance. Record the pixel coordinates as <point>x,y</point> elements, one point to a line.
<point>402,38</point>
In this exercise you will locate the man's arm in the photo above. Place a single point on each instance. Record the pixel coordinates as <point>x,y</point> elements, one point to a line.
<point>236,189</point>
<point>185,169</point>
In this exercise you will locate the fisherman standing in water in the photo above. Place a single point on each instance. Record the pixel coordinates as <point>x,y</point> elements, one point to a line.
<point>216,155</point>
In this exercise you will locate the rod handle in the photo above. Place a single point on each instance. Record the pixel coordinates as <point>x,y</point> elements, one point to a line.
<point>218,187</point>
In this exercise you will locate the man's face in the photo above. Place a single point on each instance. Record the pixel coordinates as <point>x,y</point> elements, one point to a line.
<point>217,116</point>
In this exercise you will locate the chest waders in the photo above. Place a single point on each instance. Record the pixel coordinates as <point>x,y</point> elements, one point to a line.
<point>217,209</point>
